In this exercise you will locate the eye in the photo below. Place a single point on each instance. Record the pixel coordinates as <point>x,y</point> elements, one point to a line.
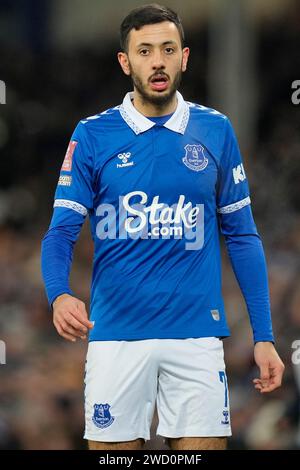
<point>144,51</point>
<point>169,50</point>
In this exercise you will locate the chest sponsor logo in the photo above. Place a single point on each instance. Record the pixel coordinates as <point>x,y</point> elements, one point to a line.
<point>139,217</point>
<point>194,157</point>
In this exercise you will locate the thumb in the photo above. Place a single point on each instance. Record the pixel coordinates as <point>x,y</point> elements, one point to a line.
<point>264,374</point>
<point>84,315</point>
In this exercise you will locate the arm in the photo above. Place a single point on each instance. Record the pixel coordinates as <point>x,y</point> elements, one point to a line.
<point>247,257</point>
<point>73,200</point>
<point>70,317</point>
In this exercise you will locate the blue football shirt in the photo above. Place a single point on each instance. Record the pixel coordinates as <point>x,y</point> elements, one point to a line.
<point>154,191</point>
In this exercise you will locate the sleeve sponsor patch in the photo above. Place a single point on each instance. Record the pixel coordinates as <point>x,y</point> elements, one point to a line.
<point>67,163</point>
<point>238,173</point>
<point>65,180</point>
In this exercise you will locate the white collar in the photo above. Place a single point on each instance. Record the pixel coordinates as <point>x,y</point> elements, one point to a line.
<point>139,123</point>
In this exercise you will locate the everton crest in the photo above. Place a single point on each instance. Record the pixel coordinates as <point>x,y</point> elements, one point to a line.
<point>102,417</point>
<point>225,417</point>
<point>194,157</point>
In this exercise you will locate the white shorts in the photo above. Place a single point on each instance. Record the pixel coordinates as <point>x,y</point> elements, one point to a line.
<point>185,378</point>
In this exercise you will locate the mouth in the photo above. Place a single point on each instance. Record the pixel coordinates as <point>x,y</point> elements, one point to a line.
<point>159,82</point>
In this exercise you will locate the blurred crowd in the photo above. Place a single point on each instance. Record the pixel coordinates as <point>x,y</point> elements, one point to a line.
<point>41,386</point>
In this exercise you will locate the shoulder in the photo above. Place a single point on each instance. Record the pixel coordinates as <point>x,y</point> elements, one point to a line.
<point>200,112</point>
<point>214,126</point>
<point>95,122</point>
<point>91,129</point>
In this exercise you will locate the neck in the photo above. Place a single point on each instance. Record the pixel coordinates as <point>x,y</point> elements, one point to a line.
<point>152,110</point>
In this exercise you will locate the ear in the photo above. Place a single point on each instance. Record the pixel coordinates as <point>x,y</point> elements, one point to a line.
<point>124,62</point>
<point>185,56</point>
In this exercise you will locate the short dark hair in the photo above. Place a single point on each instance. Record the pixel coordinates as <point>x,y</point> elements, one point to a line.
<point>148,14</point>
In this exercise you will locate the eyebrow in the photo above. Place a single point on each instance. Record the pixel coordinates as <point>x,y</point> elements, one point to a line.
<point>149,44</point>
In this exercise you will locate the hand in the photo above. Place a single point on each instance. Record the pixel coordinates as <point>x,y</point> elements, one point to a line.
<point>270,365</point>
<point>70,317</point>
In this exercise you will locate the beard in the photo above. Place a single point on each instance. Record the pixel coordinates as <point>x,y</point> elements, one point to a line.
<point>157,99</point>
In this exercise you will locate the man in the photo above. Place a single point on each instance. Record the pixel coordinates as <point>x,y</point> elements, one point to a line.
<point>156,176</point>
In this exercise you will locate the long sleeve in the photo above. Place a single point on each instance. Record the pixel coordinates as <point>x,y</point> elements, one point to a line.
<point>72,202</point>
<point>243,242</point>
<point>56,258</point>
<point>247,258</point>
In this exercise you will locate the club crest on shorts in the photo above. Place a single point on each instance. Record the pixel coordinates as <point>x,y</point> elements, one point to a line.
<point>102,417</point>
<point>194,157</point>
<point>225,417</point>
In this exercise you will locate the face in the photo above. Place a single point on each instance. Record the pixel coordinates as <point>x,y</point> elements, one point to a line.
<point>155,61</point>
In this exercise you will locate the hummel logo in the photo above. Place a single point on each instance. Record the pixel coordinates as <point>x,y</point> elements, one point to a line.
<point>124,157</point>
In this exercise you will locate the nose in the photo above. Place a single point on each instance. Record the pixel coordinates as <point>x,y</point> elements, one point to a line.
<point>158,60</point>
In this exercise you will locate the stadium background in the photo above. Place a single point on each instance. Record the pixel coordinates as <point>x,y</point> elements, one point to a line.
<point>58,60</point>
